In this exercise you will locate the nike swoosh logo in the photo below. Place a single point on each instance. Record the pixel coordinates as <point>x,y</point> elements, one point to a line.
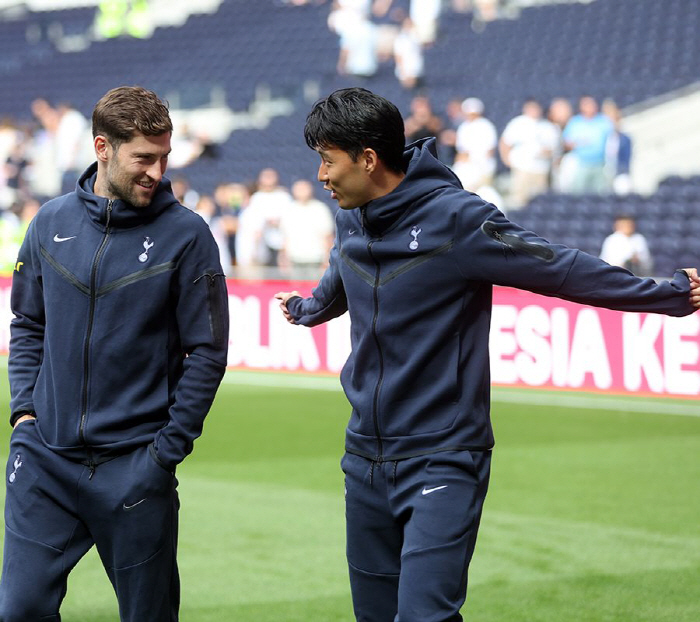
<point>133,505</point>
<point>427,491</point>
<point>352,231</point>
<point>56,238</point>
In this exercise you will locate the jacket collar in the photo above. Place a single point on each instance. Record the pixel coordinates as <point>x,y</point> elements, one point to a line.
<point>424,174</point>
<point>124,215</point>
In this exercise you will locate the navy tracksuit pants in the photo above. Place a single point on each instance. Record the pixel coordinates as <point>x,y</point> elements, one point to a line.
<point>411,532</point>
<point>55,512</point>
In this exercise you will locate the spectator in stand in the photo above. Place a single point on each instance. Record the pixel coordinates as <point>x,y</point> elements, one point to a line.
<point>9,138</point>
<point>527,147</point>
<point>307,231</point>
<point>627,248</point>
<point>259,238</point>
<point>13,171</point>
<point>231,199</point>
<point>13,227</point>
<point>207,209</point>
<point>183,192</point>
<point>475,163</point>
<point>448,136</point>
<point>618,151</point>
<point>43,172</point>
<point>422,123</point>
<point>358,39</point>
<point>73,145</point>
<point>424,14</point>
<point>408,55</point>
<point>585,136</point>
<point>559,113</point>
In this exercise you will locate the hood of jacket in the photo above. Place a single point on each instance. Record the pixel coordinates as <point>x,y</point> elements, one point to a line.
<point>424,175</point>
<point>124,215</point>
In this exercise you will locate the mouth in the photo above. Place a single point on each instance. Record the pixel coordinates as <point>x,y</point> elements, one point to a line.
<point>334,194</point>
<point>146,185</point>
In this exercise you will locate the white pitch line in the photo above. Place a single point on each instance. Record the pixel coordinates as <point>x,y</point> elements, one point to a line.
<point>599,402</point>
<point>621,403</point>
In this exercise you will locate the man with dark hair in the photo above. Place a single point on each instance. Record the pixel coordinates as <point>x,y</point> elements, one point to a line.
<point>117,348</point>
<point>414,261</point>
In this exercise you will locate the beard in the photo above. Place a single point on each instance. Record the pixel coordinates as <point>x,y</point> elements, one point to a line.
<point>124,187</point>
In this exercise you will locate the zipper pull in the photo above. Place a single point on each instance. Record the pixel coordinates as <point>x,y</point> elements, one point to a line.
<point>91,468</point>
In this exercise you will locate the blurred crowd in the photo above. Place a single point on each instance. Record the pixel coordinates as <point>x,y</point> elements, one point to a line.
<point>557,149</point>
<point>263,224</point>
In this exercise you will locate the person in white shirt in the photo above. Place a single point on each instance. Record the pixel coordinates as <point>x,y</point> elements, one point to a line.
<point>475,163</point>
<point>307,230</point>
<point>527,147</point>
<point>627,248</point>
<point>408,55</point>
<point>259,239</point>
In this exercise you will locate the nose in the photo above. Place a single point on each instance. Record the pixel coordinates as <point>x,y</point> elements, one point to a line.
<point>156,170</point>
<point>322,173</point>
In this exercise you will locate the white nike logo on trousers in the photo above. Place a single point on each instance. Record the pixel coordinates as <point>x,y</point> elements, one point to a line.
<point>427,491</point>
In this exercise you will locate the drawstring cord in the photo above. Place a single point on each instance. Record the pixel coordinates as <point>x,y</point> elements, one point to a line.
<point>378,461</point>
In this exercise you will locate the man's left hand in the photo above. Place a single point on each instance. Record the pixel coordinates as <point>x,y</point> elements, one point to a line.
<point>694,286</point>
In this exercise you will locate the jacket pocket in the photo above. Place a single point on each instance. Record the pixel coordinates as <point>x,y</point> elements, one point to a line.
<point>217,301</point>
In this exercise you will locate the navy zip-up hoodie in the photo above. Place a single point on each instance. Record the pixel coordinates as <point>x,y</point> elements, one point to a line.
<point>415,269</point>
<point>120,333</point>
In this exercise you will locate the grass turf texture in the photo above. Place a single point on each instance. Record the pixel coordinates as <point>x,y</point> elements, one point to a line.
<point>593,513</point>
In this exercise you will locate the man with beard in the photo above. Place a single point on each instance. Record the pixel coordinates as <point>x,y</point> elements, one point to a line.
<point>117,348</point>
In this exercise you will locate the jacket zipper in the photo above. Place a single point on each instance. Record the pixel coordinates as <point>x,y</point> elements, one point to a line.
<point>88,335</point>
<point>375,413</point>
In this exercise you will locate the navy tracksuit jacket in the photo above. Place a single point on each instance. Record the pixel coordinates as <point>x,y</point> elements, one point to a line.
<point>415,270</point>
<point>118,346</point>
<point>120,332</point>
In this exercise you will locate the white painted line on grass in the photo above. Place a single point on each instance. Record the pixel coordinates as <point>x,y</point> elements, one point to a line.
<point>622,403</point>
<point>599,402</point>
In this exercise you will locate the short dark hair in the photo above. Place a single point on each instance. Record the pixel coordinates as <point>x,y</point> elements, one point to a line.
<point>356,119</point>
<point>125,110</point>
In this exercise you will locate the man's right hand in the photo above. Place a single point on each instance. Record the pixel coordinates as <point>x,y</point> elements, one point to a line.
<point>23,418</point>
<point>283,297</point>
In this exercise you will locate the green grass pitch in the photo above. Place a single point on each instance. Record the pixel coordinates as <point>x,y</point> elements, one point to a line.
<point>593,513</point>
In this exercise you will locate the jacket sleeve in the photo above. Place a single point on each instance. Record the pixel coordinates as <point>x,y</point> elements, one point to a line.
<point>202,317</point>
<point>327,300</point>
<point>27,326</point>
<point>493,249</point>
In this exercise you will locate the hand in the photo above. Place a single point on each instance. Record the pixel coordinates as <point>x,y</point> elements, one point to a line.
<point>283,297</point>
<point>23,418</point>
<point>694,286</point>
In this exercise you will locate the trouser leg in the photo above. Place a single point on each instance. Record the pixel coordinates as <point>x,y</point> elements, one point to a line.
<point>44,538</point>
<point>374,541</point>
<point>135,526</point>
<point>411,533</point>
<point>445,496</point>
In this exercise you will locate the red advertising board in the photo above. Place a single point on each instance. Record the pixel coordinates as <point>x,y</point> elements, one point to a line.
<point>535,341</point>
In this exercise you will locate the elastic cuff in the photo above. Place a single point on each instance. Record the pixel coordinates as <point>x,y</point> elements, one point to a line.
<point>15,416</point>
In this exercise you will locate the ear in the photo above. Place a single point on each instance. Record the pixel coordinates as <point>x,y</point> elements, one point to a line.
<point>371,160</point>
<point>103,150</point>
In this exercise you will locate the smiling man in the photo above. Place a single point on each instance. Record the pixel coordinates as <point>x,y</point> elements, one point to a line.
<point>117,348</point>
<point>414,262</point>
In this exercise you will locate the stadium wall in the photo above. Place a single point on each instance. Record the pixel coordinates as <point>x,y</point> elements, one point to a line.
<point>535,341</point>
